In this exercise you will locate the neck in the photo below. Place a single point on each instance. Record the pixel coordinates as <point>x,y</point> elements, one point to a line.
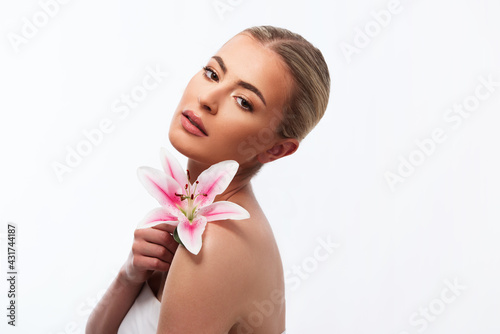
<point>240,182</point>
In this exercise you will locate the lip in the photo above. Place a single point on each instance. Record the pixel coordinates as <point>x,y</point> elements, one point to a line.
<point>193,124</point>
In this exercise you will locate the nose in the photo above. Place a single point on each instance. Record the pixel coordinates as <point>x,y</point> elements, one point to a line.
<point>208,102</point>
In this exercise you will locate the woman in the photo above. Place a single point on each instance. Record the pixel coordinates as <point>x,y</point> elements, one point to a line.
<point>253,102</point>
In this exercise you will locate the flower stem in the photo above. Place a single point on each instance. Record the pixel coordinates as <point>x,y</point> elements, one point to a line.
<point>176,237</point>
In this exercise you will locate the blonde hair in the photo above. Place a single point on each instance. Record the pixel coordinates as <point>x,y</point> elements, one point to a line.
<point>308,100</point>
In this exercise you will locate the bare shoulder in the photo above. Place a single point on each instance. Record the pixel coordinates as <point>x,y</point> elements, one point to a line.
<point>239,252</point>
<point>238,263</point>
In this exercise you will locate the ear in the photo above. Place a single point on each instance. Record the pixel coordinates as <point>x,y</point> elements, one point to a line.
<point>279,150</point>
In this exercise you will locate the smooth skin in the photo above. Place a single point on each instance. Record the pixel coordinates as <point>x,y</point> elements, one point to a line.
<point>236,283</point>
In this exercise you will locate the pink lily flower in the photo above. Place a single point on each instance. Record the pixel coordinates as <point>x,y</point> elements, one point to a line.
<point>188,206</point>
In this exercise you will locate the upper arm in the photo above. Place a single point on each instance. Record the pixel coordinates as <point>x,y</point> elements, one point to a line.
<point>204,293</point>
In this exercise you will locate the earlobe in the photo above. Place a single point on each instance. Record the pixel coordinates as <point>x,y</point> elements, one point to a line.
<point>279,150</point>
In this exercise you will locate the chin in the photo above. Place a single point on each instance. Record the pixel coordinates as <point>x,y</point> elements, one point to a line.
<point>185,145</point>
<point>179,143</point>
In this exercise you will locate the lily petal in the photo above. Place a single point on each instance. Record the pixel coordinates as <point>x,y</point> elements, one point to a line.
<point>214,180</point>
<point>172,167</point>
<point>190,233</point>
<point>162,187</point>
<point>223,210</point>
<point>157,216</point>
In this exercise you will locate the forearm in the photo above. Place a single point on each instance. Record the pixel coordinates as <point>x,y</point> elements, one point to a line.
<point>113,306</point>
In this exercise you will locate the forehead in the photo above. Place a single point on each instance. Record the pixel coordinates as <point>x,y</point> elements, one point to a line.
<point>248,60</point>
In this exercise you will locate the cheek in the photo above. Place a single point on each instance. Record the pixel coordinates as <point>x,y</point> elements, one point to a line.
<point>192,87</point>
<point>245,140</point>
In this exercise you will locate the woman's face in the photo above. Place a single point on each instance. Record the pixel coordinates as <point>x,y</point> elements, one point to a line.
<point>231,108</point>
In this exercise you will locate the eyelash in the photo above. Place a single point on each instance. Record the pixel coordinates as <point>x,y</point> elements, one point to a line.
<point>206,69</point>
<point>209,77</point>
<point>249,108</point>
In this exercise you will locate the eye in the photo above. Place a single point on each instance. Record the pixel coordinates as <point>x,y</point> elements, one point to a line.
<point>244,104</point>
<point>210,74</point>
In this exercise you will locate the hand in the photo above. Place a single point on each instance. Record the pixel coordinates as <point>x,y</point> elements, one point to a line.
<point>153,249</point>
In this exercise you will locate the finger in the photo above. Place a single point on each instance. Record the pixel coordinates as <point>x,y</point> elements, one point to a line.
<point>150,263</point>
<point>165,227</point>
<point>159,237</point>
<point>171,244</point>
<point>153,235</point>
<point>148,249</point>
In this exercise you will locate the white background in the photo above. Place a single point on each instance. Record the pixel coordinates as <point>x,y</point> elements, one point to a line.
<point>397,247</point>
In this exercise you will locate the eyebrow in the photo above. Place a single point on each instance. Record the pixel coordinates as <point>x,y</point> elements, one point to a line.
<point>241,83</point>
